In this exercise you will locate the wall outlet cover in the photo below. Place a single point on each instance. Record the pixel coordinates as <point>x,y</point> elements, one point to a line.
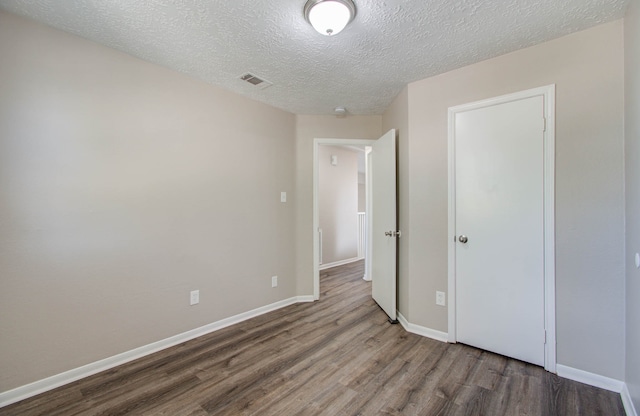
<point>274,281</point>
<point>441,298</point>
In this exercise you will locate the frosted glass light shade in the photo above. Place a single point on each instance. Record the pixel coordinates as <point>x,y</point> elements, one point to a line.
<point>329,17</point>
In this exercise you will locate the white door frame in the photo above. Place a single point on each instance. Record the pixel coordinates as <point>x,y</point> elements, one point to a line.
<point>369,221</point>
<point>316,222</point>
<point>548,92</point>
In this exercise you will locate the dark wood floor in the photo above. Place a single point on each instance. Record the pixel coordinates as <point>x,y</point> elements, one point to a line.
<point>338,356</point>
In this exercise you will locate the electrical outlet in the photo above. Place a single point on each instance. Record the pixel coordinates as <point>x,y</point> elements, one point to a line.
<point>274,281</point>
<point>195,297</point>
<point>440,298</point>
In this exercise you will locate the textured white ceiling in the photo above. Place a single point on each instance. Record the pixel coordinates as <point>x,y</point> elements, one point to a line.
<point>389,44</point>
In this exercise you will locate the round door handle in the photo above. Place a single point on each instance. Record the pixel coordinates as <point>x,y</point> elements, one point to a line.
<point>463,239</point>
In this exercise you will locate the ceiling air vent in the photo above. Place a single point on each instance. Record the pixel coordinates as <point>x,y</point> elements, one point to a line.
<point>254,80</point>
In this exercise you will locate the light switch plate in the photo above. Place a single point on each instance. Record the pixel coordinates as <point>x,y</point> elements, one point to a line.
<point>194,298</point>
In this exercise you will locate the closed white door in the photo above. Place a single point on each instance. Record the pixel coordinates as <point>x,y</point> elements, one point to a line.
<point>499,228</point>
<point>384,223</point>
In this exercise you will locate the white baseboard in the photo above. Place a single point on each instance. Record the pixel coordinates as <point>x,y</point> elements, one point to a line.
<point>629,408</point>
<point>50,383</point>
<point>421,330</point>
<point>602,382</point>
<point>591,379</point>
<point>338,263</point>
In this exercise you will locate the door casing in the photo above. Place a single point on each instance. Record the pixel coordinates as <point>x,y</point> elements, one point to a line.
<point>548,92</point>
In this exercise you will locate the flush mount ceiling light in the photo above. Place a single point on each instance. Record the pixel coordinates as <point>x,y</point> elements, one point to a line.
<point>329,17</point>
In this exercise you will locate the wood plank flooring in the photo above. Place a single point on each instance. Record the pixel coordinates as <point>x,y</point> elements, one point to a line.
<point>338,356</point>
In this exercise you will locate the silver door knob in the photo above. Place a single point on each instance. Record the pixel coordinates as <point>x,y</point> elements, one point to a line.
<point>463,239</point>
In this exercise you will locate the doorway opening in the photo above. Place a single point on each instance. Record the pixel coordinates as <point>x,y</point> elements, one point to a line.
<point>341,205</point>
<point>322,147</point>
<point>382,231</point>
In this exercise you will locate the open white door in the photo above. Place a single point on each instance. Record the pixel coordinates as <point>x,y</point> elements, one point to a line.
<point>384,223</point>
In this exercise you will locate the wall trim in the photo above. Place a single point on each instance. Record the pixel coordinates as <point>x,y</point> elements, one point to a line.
<point>338,263</point>
<point>591,379</point>
<point>629,408</point>
<point>421,330</point>
<point>50,383</point>
<point>602,382</point>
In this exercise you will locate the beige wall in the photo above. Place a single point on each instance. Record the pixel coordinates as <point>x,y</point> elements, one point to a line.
<point>397,117</point>
<point>362,183</point>
<point>338,203</point>
<point>632,195</point>
<point>362,197</point>
<point>587,68</point>
<point>123,186</point>
<point>308,128</point>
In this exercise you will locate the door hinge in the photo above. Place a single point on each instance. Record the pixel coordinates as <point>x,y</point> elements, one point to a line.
<point>544,124</point>
<point>545,336</point>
